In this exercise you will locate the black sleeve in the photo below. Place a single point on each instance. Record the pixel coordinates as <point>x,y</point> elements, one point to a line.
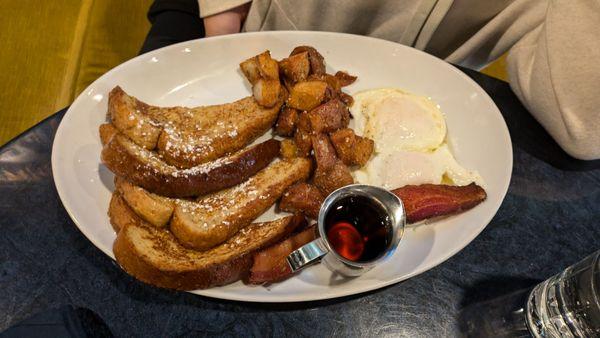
<point>173,21</point>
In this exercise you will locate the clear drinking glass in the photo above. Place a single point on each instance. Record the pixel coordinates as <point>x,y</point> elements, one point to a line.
<point>565,305</point>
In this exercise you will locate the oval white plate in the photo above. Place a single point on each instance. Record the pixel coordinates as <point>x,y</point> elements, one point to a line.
<point>206,72</point>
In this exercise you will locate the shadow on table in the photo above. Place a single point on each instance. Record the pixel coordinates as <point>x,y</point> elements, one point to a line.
<point>495,307</point>
<point>65,321</point>
<point>495,287</point>
<point>526,133</point>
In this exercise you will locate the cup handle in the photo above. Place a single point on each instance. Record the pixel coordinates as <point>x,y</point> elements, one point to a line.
<point>307,254</point>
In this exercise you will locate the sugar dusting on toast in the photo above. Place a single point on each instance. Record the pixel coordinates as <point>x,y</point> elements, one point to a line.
<point>223,201</point>
<point>190,136</point>
<point>153,161</point>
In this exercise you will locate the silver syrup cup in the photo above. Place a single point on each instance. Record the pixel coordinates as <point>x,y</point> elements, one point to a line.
<point>320,248</point>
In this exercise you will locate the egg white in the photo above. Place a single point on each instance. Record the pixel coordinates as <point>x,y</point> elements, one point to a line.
<point>399,120</point>
<point>409,133</point>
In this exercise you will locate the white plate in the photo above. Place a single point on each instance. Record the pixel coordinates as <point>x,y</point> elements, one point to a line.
<point>206,71</point>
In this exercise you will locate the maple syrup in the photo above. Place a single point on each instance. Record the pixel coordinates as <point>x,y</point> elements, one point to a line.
<point>358,228</point>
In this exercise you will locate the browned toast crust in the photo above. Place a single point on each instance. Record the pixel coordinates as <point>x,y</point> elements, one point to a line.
<point>154,256</point>
<point>119,212</point>
<point>107,131</point>
<point>154,209</point>
<point>186,137</point>
<point>146,169</point>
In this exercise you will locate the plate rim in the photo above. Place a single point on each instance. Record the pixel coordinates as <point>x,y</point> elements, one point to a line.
<point>219,294</point>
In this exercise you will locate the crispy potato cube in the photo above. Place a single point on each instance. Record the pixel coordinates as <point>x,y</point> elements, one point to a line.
<point>250,70</point>
<point>317,62</point>
<point>288,84</point>
<point>283,93</point>
<point>343,141</point>
<point>303,142</point>
<point>286,122</point>
<point>296,67</point>
<point>328,180</point>
<point>363,149</point>
<point>288,148</point>
<point>304,122</point>
<point>352,149</point>
<point>329,116</point>
<point>331,80</point>
<point>345,79</point>
<point>268,68</point>
<point>266,92</point>
<point>324,151</point>
<point>347,99</point>
<point>304,198</point>
<point>307,95</point>
<point>330,94</point>
<point>302,136</point>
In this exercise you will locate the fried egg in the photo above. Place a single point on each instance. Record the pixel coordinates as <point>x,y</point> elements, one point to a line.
<point>410,141</point>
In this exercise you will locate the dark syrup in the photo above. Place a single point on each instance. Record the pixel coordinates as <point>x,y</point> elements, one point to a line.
<point>358,229</point>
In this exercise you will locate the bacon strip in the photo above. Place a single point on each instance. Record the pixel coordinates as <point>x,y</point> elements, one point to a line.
<point>270,264</point>
<point>431,200</point>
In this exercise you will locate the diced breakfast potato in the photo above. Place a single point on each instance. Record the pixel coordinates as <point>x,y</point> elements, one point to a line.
<point>268,68</point>
<point>363,149</point>
<point>329,116</point>
<point>288,149</point>
<point>283,93</point>
<point>330,94</point>
<point>347,99</point>
<point>344,78</point>
<point>288,84</point>
<point>317,62</point>
<point>250,70</point>
<point>266,92</point>
<point>331,80</point>
<point>350,148</point>
<point>302,136</point>
<point>303,142</point>
<point>296,67</point>
<point>324,151</point>
<point>304,198</point>
<point>286,122</point>
<point>307,95</point>
<point>304,122</point>
<point>328,180</point>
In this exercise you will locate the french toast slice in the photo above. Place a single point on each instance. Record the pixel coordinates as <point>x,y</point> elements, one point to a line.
<point>107,131</point>
<point>186,137</point>
<point>145,168</point>
<point>214,218</point>
<point>154,256</point>
<point>119,213</point>
<point>152,208</point>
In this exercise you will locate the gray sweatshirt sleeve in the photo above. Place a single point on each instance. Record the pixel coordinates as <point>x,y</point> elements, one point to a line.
<point>553,65</point>
<point>555,71</point>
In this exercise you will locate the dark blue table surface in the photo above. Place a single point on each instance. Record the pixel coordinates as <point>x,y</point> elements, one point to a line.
<point>548,220</point>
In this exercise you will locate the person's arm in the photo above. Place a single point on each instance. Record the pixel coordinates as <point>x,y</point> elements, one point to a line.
<point>553,63</point>
<point>555,71</point>
<point>223,16</point>
<point>172,21</point>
